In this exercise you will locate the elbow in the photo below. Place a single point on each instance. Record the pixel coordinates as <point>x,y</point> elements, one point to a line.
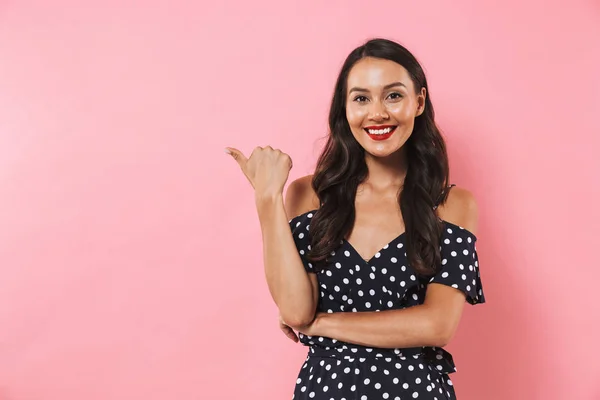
<point>442,334</point>
<point>298,321</point>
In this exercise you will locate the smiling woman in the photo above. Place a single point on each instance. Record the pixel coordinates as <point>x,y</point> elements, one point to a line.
<point>379,256</point>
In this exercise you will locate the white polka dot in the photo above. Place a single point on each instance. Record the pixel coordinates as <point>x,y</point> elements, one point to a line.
<point>378,386</point>
<point>415,395</point>
<point>347,253</point>
<point>394,260</point>
<point>377,255</point>
<point>368,305</point>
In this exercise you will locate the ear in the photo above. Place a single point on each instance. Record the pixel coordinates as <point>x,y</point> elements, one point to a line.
<point>421,101</point>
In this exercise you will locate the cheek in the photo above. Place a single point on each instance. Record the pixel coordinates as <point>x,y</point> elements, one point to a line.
<point>355,115</point>
<point>402,111</point>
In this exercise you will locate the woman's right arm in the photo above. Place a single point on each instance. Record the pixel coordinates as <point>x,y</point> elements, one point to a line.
<point>294,290</point>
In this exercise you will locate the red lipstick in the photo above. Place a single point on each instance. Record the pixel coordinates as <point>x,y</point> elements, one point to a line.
<point>380,136</point>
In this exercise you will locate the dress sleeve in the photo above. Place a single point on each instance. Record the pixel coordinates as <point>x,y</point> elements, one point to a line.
<point>300,228</point>
<point>460,264</point>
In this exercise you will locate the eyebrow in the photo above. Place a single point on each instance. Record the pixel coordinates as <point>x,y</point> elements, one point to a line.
<point>386,87</point>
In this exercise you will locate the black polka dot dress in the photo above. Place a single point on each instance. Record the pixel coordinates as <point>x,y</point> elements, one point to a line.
<point>336,370</point>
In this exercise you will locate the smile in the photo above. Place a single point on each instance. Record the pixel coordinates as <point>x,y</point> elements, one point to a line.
<point>380,132</point>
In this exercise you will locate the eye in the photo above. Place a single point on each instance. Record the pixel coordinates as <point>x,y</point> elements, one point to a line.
<point>395,96</point>
<point>360,99</point>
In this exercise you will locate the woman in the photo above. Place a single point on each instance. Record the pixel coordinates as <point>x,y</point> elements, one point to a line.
<point>381,255</point>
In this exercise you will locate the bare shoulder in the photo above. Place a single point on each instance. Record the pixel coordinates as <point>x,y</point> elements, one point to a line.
<point>460,209</point>
<point>300,197</point>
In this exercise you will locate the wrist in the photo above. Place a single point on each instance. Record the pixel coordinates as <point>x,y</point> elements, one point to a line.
<point>319,324</point>
<point>267,200</point>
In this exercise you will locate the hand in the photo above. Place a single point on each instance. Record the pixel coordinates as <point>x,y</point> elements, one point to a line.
<point>287,330</point>
<point>267,169</point>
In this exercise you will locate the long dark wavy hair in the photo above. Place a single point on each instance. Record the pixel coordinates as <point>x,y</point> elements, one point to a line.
<point>341,168</point>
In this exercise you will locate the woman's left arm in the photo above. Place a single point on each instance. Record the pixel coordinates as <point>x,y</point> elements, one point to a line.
<point>431,324</point>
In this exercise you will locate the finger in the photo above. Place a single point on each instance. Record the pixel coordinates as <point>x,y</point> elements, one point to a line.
<point>237,156</point>
<point>290,333</point>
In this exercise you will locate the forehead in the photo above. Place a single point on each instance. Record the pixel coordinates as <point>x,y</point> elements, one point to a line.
<point>374,73</point>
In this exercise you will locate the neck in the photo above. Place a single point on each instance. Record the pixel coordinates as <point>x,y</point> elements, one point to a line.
<point>388,171</point>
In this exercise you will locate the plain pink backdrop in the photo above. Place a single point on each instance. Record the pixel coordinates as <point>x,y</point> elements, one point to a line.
<point>130,253</point>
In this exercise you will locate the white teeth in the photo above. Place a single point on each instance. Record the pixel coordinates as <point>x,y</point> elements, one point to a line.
<point>379,131</point>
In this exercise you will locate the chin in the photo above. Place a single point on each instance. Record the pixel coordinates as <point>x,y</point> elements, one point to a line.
<point>381,153</point>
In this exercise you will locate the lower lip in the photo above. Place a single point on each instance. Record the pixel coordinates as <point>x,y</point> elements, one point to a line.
<point>381,137</point>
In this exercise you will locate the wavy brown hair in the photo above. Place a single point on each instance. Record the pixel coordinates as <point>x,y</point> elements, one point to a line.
<point>341,168</point>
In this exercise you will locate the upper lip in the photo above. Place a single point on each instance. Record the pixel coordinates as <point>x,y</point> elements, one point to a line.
<point>380,126</point>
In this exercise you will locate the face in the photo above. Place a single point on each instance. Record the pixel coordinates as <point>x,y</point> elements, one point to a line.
<point>382,105</point>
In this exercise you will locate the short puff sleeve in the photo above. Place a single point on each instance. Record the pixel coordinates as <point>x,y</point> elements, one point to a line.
<point>300,226</point>
<point>460,263</point>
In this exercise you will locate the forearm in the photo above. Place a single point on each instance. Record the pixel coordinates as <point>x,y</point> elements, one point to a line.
<point>411,327</point>
<point>288,281</point>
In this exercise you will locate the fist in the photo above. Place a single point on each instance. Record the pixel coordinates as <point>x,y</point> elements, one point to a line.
<point>266,169</point>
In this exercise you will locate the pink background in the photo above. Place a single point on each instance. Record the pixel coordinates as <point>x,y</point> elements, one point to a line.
<point>130,254</point>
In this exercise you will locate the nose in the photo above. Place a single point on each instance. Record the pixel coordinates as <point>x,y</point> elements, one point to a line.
<point>378,112</point>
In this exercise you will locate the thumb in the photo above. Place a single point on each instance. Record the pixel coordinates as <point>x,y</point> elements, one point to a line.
<point>237,156</point>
